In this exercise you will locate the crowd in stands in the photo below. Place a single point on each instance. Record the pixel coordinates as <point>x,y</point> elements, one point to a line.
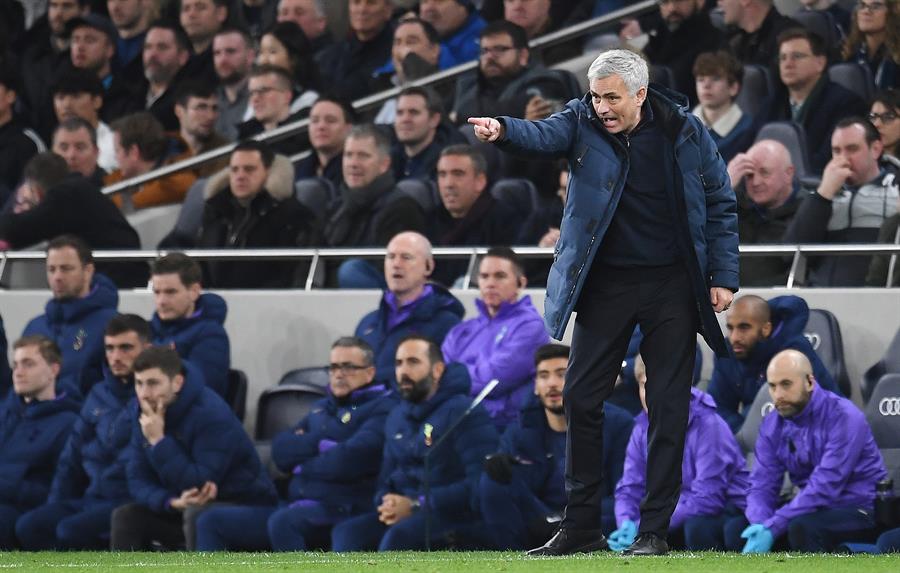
<point>138,445</point>
<point>119,89</point>
<point>120,432</point>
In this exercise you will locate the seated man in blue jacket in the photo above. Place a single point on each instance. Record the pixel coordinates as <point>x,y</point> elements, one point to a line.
<point>713,477</point>
<point>90,477</point>
<point>435,397</point>
<point>826,446</point>
<point>522,492</point>
<point>35,420</point>
<point>333,455</point>
<point>757,331</point>
<point>83,302</point>
<point>410,304</point>
<point>190,321</point>
<point>187,451</point>
<point>500,342</point>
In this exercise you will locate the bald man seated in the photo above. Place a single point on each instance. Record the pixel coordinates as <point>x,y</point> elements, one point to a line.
<point>767,194</point>
<point>410,304</point>
<point>757,331</point>
<point>825,445</point>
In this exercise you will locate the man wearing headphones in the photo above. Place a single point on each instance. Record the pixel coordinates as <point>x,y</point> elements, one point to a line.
<point>411,304</point>
<point>501,341</point>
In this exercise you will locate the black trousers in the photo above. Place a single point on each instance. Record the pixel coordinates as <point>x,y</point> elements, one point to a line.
<point>135,527</point>
<point>662,302</point>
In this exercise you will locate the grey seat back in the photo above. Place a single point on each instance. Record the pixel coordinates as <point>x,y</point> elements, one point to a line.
<point>855,77</point>
<point>757,88</point>
<point>824,334</point>
<point>762,406</point>
<point>282,407</point>
<point>792,136</point>
<point>883,412</point>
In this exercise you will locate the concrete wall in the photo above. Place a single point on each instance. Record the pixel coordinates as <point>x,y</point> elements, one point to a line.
<point>275,331</point>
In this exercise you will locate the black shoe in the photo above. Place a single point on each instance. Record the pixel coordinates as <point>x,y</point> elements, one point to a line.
<point>647,544</point>
<point>568,541</point>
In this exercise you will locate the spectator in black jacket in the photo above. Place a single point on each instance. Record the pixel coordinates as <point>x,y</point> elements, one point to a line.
<point>67,203</point>
<point>809,97</point>
<point>17,143</point>
<point>678,33</point>
<point>166,52</point>
<point>92,47</point>
<point>348,65</point>
<point>468,214</point>
<point>421,133</point>
<point>76,141</point>
<point>753,29</point>
<point>330,120</point>
<point>371,210</point>
<point>44,49</point>
<point>252,206</point>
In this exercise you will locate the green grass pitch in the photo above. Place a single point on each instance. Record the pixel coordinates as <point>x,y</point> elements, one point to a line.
<point>442,562</point>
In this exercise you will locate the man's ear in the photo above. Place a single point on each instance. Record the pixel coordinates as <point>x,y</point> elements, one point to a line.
<point>437,370</point>
<point>767,329</point>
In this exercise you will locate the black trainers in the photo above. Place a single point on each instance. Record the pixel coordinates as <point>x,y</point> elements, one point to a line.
<point>569,541</point>
<point>647,544</point>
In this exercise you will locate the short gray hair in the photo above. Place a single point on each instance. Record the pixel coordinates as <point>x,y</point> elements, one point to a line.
<point>357,342</point>
<point>626,64</point>
<point>368,130</point>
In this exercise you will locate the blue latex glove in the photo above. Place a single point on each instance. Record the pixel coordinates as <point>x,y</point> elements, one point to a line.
<point>624,536</point>
<point>759,539</point>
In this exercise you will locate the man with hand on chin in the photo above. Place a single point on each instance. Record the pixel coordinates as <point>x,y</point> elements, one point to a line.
<point>648,237</point>
<point>187,451</point>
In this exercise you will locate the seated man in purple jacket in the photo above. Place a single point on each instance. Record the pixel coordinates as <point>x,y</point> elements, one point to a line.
<point>713,483</point>
<point>827,448</point>
<point>500,342</point>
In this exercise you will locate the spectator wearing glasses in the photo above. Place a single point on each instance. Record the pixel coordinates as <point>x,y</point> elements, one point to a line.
<point>271,92</point>
<point>874,40</point>
<point>332,455</point>
<point>885,116</point>
<point>808,96</point>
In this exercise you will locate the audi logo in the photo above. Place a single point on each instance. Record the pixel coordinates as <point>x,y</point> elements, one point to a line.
<point>889,406</point>
<point>766,408</point>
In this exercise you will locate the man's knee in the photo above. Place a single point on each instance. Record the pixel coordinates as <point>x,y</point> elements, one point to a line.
<point>404,535</point>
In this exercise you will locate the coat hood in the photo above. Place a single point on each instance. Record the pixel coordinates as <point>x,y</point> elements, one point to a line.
<point>210,306</point>
<point>279,183</point>
<point>66,400</point>
<point>788,315</point>
<point>103,295</point>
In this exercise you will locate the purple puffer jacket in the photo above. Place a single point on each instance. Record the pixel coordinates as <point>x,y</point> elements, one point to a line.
<point>828,451</point>
<point>713,473</point>
<point>501,347</point>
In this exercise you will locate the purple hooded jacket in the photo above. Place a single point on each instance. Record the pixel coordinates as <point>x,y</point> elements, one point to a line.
<point>501,347</point>
<point>828,451</point>
<point>713,473</point>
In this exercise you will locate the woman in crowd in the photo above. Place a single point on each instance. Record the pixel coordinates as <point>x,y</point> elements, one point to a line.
<point>874,40</point>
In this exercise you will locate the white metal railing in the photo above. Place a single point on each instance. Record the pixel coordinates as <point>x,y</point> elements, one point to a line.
<point>316,256</point>
<point>372,101</point>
